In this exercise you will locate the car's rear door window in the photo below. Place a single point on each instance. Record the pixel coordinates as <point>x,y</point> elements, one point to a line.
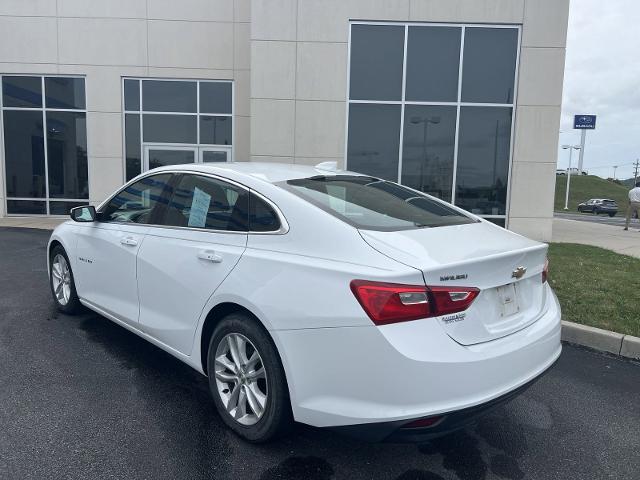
<point>207,203</point>
<point>373,204</point>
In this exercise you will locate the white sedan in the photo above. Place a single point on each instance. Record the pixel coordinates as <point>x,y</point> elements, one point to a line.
<point>318,296</point>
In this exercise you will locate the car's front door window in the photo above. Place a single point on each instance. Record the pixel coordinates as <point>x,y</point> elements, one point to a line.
<point>136,202</point>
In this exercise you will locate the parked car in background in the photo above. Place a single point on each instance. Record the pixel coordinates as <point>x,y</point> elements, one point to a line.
<point>598,206</point>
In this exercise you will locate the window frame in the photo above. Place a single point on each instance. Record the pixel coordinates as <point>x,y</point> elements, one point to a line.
<point>47,199</point>
<point>176,173</point>
<point>458,103</point>
<point>198,114</point>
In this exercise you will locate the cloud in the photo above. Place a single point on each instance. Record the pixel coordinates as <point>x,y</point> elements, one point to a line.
<point>602,77</point>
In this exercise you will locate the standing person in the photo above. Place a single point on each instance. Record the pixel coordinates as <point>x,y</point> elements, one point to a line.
<point>634,204</point>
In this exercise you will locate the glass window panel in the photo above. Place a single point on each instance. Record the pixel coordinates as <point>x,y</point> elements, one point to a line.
<point>433,58</point>
<point>215,130</point>
<point>497,221</point>
<point>132,95</point>
<point>160,157</point>
<point>24,154</point>
<point>428,149</point>
<point>202,202</point>
<point>374,137</point>
<point>132,145</point>
<point>215,97</point>
<point>63,208</point>
<point>483,159</point>
<point>376,62</point>
<point>489,64</point>
<point>262,218</point>
<point>209,156</point>
<point>169,96</point>
<point>22,91</point>
<point>64,92</point>
<point>169,128</point>
<point>67,154</point>
<point>136,203</point>
<point>26,207</point>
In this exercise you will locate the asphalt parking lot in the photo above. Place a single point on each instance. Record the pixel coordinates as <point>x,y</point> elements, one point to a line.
<point>83,398</point>
<point>617,221</point>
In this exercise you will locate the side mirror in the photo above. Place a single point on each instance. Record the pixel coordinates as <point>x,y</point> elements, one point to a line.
<point>86,213</point>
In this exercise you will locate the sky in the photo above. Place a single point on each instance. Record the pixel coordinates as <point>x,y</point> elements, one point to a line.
<point>602,77</point>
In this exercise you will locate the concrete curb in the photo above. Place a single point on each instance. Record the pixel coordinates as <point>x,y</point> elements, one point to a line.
<point>626,346</point>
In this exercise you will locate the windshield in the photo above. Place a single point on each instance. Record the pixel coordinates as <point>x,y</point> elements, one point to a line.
<point>372,204</point>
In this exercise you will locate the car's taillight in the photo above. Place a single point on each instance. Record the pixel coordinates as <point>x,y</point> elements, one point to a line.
<point>392,302</point>
<point>545,270</point>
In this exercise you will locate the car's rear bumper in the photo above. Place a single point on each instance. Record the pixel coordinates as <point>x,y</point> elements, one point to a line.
<point>400,431</point>
<point>370,375</point>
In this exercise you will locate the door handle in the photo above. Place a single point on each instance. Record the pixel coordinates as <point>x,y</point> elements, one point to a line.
<point>210,256</point>
<point>132,242</point>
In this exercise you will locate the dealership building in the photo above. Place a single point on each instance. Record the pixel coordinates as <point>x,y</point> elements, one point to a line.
<point>457,98</point>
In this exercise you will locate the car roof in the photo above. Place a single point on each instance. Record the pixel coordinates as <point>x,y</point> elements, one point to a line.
<point>261,171</point>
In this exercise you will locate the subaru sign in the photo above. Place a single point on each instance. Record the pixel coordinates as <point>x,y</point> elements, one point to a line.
<point>584,122</point>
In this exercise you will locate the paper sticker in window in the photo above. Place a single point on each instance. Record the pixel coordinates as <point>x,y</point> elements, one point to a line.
<point>199,208</point>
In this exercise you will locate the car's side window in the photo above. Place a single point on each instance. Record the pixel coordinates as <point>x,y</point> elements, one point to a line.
<point>262,218</point>
<point>205,202</point>
<point>136,202</point>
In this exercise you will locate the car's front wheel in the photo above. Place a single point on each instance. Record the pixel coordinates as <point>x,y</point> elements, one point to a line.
<point>247,380</point>
<point>612,214</point>
<point>62,284</point>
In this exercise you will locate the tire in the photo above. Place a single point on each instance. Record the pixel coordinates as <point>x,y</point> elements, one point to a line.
<point>269,390</point>
<point>61,281</point>
<point>612,214</point>
<point>595,211</point>
<point>579,209</point>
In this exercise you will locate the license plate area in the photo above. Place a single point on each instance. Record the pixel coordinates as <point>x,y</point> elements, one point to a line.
<point>508,300</point>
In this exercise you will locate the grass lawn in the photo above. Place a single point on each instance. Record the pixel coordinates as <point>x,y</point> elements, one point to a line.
<point>584,187</point>
<point>596,287</point>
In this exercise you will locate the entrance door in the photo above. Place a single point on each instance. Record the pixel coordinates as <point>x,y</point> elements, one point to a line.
<point>161,155</point>
<point>214,154</point>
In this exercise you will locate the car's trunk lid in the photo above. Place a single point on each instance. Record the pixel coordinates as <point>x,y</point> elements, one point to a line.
<point>506,267</point>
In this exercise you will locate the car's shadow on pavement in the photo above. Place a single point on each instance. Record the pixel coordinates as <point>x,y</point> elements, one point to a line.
<point>170,389</point>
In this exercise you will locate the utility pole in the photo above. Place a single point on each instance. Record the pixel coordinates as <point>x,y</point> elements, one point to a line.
<point>636,166</point>
<point>614,171</point>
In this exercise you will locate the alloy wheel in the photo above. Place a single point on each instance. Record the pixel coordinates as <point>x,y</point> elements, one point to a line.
<point>241,379</point>
<point>61,279</point>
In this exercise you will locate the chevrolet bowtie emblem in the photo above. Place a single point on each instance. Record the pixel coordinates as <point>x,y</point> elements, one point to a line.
<point>519,272</point>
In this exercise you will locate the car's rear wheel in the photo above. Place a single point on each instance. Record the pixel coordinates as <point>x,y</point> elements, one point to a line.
<point>62,283</point>
<point>247,380</point>
<point>612,214</point>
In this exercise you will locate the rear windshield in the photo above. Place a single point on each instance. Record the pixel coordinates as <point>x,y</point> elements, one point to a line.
<point>373,204</point>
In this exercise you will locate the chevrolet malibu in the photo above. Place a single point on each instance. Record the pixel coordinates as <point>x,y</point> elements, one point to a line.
<point>314,295</point>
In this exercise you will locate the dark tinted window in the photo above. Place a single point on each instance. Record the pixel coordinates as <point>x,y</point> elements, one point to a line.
<point>135,203</point>
<point>132,145</point>
<point>262,218</point>
<point>24,154</point>
<point>22,91</point>
<point>169,96</point>
<point>67,154</point>
<point>489,66</point>
<point>433,58</point>
<point>483,159</point>
<point>215,97</point>
<point>204,202</point>
<point>26,207</point>
<point>159,157</point>
<point>215,130</point>
<point>132,94</point>
<point>374,140</point>
<point>63,208</point>
<point>373,204</point>
<point>377,53</point>
<point>428,149</point>
<point>64,92</point>
<point>170,128</point>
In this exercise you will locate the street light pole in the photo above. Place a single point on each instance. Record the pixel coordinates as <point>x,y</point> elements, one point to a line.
<point>571,148</point>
